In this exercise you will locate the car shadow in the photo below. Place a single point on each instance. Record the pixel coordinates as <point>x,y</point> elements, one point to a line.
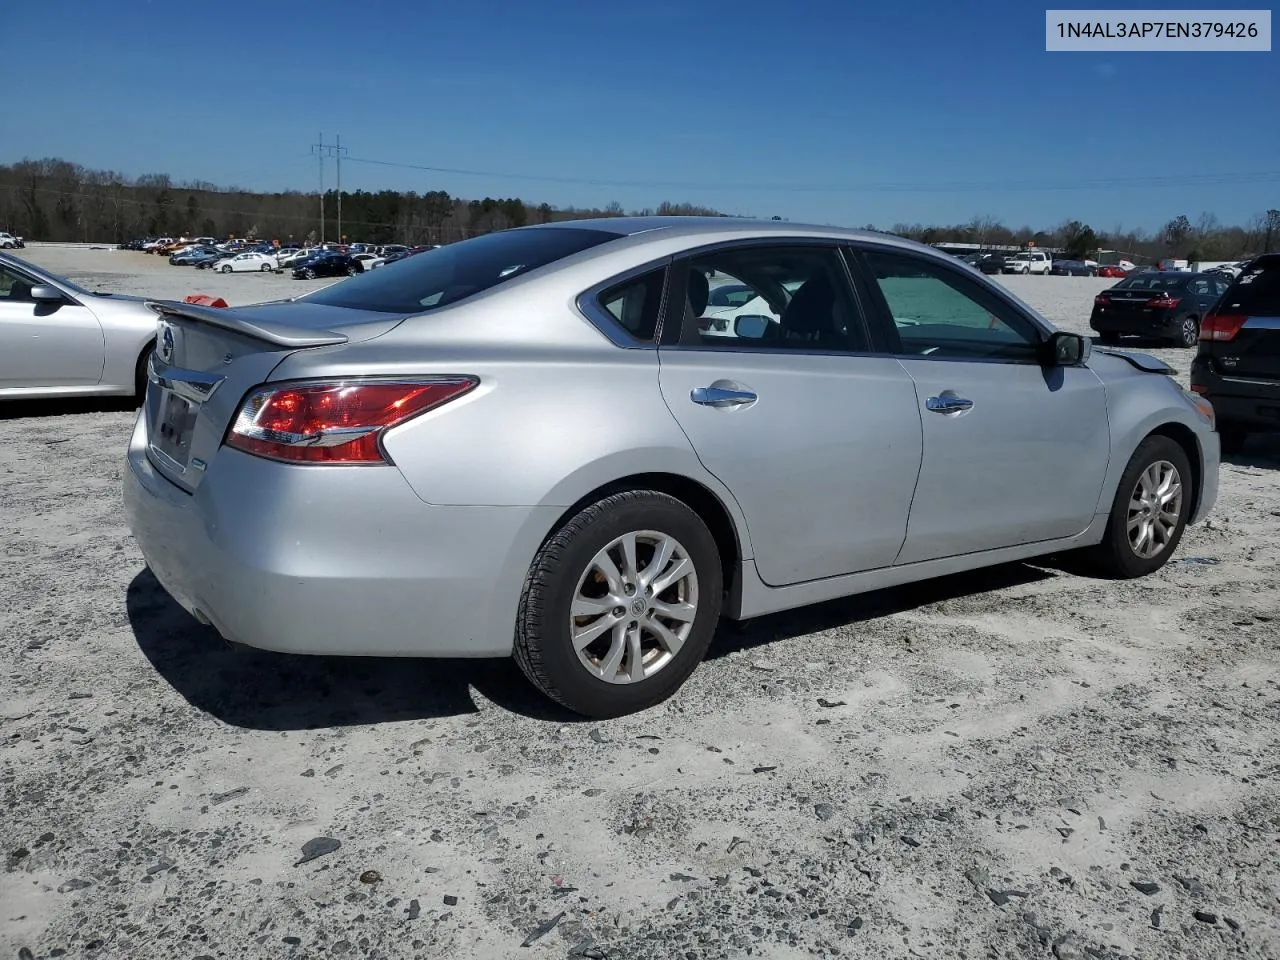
<point>262,690</point>
<point>65,406</point>
<point>746,635</point>
<point>1260,450</point>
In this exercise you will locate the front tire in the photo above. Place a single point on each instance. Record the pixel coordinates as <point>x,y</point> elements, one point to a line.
<point>1149,512</point>
<point>226,269</point>
<point>266,268</point>
<point>140,377</point>
<point>620,605</point>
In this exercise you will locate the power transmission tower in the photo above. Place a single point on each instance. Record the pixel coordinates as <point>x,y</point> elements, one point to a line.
<point>335,150</point>
<point>317,148</point>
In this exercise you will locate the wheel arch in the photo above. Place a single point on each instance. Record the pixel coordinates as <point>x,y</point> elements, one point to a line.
<point>696,496</point>
<point>1185,438</point>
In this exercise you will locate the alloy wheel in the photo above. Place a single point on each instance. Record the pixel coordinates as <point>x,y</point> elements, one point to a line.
<point>1190,332</point>
<point>1154,508</point>
<point>633,607</point>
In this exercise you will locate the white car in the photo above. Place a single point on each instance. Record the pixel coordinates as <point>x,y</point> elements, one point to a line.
<point>288,259</point>
<point>247,262</point>
<point>8,241</point>
<point>1029,261</point>
<point>369,261</point>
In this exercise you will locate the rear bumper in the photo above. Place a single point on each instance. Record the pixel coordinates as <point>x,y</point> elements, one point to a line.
<point>1139,324</point>
<point>1239,401</point>
<point>339,561</point>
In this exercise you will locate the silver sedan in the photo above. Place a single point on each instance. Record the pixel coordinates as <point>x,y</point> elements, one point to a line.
<point>531,444</point>
<point>58,339</point>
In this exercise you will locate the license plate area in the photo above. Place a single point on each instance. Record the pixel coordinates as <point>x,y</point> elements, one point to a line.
<point>175,420</point>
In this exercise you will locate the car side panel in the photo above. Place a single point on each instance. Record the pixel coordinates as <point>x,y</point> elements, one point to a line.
<point>1139,403</point>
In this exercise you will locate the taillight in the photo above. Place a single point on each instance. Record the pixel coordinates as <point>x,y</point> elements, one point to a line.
<point>334,421</point>
<point>1102,300</point>
<point>1164,302</point>
<point>1221,326</point>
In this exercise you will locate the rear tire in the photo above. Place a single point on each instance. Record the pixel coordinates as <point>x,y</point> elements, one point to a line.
<point>1109,339</point>
<point>1145,502</point>
<point>1189,332</point>
<point>1231,439</point>
<point>565,576</point>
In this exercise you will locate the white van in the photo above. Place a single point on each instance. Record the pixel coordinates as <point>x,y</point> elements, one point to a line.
<point>1029,261</point>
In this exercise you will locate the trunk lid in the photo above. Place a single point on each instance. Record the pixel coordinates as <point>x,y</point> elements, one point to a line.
<point>208,358</point>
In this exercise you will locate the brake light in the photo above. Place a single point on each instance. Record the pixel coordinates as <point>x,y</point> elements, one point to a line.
<point>1221,326</point>
<point>334,421</point>
<point>1102,300</point>
<point>1164,301</point>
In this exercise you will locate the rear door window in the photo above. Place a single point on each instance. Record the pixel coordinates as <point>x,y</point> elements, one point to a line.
<point>1256,293</point>
<point>437,278</point>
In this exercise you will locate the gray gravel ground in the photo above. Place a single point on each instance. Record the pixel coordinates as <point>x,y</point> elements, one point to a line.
<point>1020,762</point>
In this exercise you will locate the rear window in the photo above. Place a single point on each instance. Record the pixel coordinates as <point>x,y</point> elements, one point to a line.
<point>1154,281</point>
<point>1256,292</point>
<point>436,278</point>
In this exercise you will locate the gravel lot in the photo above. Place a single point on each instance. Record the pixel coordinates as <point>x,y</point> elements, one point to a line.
<point>1020,762</point>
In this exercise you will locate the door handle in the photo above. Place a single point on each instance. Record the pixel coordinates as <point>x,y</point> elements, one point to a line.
<point>948,403</point>
<point>721,397</point>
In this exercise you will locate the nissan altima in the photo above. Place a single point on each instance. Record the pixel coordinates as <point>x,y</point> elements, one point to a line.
<point>527,444</point>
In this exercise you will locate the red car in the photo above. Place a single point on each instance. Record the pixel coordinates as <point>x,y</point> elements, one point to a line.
<point>1111,270</point>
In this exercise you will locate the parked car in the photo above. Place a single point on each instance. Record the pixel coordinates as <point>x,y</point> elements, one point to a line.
<point>1237,365</point>
<point>293,256</point>
<point>10,242</point>
<point>1072,268</point>
<point>58,339</point>
<point>248,261</point>
<point>1028,261</point>
<point>1112,270</point>
<point>396,448</point>
<point>326,263</point>
<point>192,255</point>
<point>368,261</point>
<point>1164,304</point>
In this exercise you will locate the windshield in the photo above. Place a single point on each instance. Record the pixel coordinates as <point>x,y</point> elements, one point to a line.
<point>459,270</point>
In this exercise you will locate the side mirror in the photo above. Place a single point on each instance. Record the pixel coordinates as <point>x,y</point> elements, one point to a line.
<point>44,293</point>
<point>1068,349</point>
<point>750,326</point>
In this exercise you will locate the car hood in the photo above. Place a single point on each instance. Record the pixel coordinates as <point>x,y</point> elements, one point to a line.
<point>1116,363</point>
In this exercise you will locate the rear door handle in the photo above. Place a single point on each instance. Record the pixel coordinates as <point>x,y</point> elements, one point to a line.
<point>721,397</point>
<point>948,403</point>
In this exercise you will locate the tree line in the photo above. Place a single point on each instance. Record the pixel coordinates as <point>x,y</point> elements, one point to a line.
<point>56,200</point>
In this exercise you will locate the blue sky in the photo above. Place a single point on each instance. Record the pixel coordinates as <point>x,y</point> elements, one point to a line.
<point>834,112</point>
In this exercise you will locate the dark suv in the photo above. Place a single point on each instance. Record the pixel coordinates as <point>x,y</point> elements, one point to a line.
<point>1237,365</point>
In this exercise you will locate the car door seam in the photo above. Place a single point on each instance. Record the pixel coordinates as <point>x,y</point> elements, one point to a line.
<point>906,530</point>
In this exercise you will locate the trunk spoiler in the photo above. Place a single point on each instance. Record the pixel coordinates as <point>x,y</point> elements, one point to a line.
<point>1142,361</point>
<point>279,334</point>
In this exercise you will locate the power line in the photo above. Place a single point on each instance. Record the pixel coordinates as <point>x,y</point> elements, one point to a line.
<point>1178,180</point>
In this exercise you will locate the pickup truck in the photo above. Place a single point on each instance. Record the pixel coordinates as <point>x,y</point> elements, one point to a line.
<point>1029,261</point>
